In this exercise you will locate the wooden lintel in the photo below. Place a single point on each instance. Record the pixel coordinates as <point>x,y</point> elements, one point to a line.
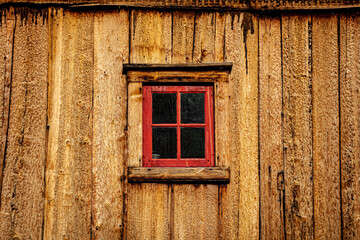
<point>213,175</point>
<point>160,76</point>
<point>178,67</point>
<point>211,5</point>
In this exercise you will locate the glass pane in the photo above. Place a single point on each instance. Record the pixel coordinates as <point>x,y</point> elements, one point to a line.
<point>192,143</point>
<point>164,143</point>
<point>164,107</point>
<point>192,108</point>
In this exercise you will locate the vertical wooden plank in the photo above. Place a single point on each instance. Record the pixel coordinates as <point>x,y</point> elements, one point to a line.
<point>241,48</point>
<point>183,36</point>
<point>270,130</point>
<point>22,199</point>
<point>148,204</point>
<point>195,208</point>
<point>204,37</point>
<point>297,81</point>
<point>111,49</point>
<point>350,124</point>
<point>326,127</point>
<point>6,38</point>
<point>69,160</point>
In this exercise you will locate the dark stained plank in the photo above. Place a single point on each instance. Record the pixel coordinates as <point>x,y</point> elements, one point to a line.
<point>111,48</point>
<point>326,156</point>
<point>270,130</point>
<point>205,5</point>
<point>350,123</point>
<point>70,120</point>
<point>179,76</point>
<point>179,67</point>
<point>297,100</point>
<point>22,195</point>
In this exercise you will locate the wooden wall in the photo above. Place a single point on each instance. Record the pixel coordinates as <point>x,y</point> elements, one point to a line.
<point>294,125</point>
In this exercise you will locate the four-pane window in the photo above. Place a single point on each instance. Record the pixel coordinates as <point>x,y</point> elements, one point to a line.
<point>178,126</point>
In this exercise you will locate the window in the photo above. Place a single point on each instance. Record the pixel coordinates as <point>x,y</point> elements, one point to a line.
<point>178,126</point>
<point>178,123</point>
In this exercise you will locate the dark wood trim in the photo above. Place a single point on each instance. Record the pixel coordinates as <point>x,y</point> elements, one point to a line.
<point>178,67</point>
<point>213,175</point>
<point>212,5</point>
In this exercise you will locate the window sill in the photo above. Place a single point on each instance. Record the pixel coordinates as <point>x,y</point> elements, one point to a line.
<point>212,175</point>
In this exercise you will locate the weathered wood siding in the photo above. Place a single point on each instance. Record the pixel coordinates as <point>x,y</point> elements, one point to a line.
<point>68,134</point>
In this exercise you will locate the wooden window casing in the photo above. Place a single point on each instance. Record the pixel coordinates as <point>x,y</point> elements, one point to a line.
<point>214,74</point>
<point>208,125</point>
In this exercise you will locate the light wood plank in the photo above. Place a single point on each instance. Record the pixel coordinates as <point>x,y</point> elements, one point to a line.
<point>193,175</point>
<point>326,161</point>
<point>297,58</point>
<point>195,208</point>
<point>350,123</point>
<point>111,49</point>
<point>6,38</point>
<point>183,36</point>
<point>148,211</point>
<point>241,41</point>
<point>22,197</point>
<point>69,158</point>
<point>270,130</point>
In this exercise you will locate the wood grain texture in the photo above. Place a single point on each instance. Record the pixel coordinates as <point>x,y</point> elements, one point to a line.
<point>111,49</point>
<point>270,130</point>
<point>297,98</point>
<point>326,156</point>
<point>350,124</point>
<point>183,36</point>
<point>205,5</point>
<point>7,42</point>
<point>69,158</point>
<point>212,175</point>
<point>148,211</point>
<point>241,208</point>
<point>195,208</point>
<point>182,77</point>
<point>22,196</point>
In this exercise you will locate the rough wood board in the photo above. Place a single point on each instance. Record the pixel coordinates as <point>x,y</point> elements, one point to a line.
<point>350,124</point>
<point>222,124</point>
<point>183,36</point>
<point>229,194</point>
<point>7,43</point>
<point>270,130</point>
<point>210,4</point>
<point>185,77</point>
<point>111,49</point>
<point>180,175</point>
<point>22,198</point>
<point>134,124</point>
<point>326,157</point>
<point>249,158</point>
<point>297,97</point>
<point>69,161</point>
<point>221,99</point>
<point>148,210</point>
<point>150,37</point>
<point>239,209</point>
<point>195,208</point>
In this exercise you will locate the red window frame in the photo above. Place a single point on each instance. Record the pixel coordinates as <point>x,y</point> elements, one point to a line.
<point>208,161</point>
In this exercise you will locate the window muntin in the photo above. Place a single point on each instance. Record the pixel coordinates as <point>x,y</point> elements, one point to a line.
<point>193,130</point>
